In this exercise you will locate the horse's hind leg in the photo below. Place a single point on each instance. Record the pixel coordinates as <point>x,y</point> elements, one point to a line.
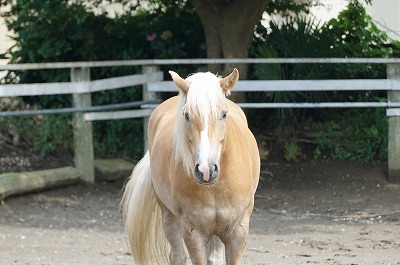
<point>174,235</point>
<point>215,251</point>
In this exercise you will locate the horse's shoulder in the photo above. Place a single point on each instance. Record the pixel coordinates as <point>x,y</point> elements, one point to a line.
<point>167,107</point>
<point>162,118</point>
<point>240,127</point>
<point>236,113</point>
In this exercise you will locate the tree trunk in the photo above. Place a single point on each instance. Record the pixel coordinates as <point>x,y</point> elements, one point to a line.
<point>228,26</point>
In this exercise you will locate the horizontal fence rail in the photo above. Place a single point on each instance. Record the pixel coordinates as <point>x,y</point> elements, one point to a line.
<point>59,88</point>
<point>135,104</point>
<point>321,105</point>
<point>296,85</point>
<point>301,85</point>
<point>117,115</point>
<point>147,62</point>
<point>307,105</point>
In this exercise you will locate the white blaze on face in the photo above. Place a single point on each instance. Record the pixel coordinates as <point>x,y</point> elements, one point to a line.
<point>204,152</point>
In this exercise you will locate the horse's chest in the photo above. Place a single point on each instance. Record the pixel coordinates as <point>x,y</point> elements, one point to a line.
<point>211,216</point>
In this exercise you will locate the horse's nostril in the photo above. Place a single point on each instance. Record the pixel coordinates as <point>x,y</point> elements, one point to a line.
<point>215,167</point>
<point>197,171</point>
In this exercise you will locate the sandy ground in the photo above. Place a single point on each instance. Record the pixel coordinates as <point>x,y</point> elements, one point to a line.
<point>312,212</point>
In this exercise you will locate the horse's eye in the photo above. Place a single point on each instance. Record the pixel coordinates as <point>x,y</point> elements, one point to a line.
<point>224,114</point>
<point>187,118</point>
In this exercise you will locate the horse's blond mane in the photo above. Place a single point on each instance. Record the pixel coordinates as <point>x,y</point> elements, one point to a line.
<point>203,100</point>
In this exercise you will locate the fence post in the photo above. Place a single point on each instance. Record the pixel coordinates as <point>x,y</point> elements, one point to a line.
<point>147,96</point>
<point>393,72</point>
<point>83,137</point>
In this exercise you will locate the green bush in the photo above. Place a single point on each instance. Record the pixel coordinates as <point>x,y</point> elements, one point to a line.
<point>361,134</point>
<point>43,134</point>
<point>351,34</point>
<point>63,30</point>
<point>292,152</point>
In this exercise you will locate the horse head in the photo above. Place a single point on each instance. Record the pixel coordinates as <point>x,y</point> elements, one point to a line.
<point>201,123</point>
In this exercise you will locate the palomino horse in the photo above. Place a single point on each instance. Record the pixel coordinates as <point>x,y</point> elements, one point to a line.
<point>198,179</point>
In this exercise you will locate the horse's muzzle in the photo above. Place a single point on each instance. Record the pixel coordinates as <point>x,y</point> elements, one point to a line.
<point>206,176</point>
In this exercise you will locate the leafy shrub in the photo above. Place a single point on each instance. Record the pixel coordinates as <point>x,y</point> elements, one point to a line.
<point>43,134</point>
<point>360,135</point>
<point>292,152</point>
<point>63,30</point>
<point>355,35</point>
<point>351,34</point>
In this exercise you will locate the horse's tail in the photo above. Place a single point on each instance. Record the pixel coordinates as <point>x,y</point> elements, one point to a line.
<point>143,224</point>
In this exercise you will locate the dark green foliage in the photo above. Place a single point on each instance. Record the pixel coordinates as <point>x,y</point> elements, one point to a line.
<point>119,138</point>
<point>360,134</point>
<point>290,8</point>
<point>62,30</point>
<point>292,152</point>
<point>43,134</point>
<point>297,37</point>
<point>353,34</point>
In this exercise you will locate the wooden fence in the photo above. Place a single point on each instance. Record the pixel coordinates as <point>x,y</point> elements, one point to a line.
<point>152,84</point>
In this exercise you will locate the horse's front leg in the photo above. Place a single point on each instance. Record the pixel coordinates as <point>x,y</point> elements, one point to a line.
<point>196,245</point>
<point>236,241</point>
<point>174,234</point>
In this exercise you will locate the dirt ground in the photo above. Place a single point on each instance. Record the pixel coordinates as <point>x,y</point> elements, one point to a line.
<point>310,212</point>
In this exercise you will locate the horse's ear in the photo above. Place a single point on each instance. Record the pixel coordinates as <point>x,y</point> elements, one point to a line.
<point>181,83</point>
<point>230,81</point>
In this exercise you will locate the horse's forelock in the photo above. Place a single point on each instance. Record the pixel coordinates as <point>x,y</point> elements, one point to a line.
<point>205,96</point>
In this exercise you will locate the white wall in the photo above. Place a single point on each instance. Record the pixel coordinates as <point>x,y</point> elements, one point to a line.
<point>386,14</point>
<point>5,41</point>
<point>328,9</point>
